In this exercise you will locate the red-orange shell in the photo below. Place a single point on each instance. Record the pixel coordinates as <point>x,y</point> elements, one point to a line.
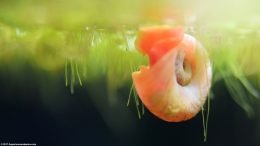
<point>157,85</point>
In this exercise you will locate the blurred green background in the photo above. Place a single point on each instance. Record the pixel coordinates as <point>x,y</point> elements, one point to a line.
<point>65,71</point>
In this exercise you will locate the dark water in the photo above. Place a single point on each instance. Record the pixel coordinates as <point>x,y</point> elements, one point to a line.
<point>36,107</point>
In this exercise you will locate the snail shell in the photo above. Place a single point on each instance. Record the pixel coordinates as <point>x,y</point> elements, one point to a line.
<point>175,85</point>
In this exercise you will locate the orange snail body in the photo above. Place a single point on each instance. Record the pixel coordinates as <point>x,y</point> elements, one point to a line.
<point>175,85</point>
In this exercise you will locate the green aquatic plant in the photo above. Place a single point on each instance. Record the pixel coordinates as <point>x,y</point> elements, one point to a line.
<point>93,52</point>
<point>233,56</point>
<point>90,43</point>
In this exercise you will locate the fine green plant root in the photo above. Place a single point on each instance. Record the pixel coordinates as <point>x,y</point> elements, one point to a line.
<point>205,120</point>
<point>129,96</point>
<point>66,73</point>
<point>78,75</point>
<point>70,77</point>
<point>137,102</point>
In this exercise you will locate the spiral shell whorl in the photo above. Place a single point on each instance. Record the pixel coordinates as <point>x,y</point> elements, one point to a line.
<point>175,85</point>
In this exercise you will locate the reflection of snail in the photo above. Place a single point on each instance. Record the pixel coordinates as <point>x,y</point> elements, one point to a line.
<point>175,85</point>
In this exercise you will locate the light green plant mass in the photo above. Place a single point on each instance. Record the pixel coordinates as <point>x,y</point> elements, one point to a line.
<point>89,39</point>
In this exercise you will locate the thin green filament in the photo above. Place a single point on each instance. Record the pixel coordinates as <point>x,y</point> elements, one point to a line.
<point>77,72</point>
<point>129,96</point>
<point>136,98</point>
<point>205,122</point>
<point>72,77</point>
<point>137,104</point>
<point>66,73</point>
<point>142,109</point>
